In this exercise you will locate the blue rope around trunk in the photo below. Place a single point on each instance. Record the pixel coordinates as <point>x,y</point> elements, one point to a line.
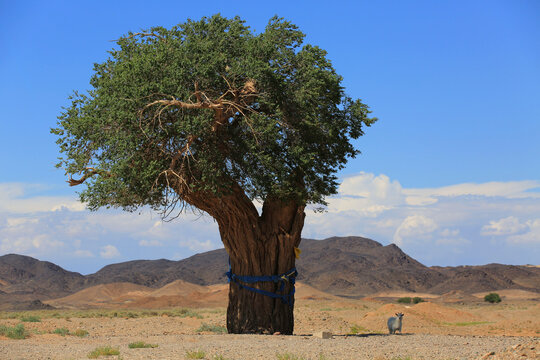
<point>287,277</point>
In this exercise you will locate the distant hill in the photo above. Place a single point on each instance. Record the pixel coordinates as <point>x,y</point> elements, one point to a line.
<point>354,266</point>
<point>25,280</point>
<point>343,266</point>
<point>204,269</point>
<point>23,274</point>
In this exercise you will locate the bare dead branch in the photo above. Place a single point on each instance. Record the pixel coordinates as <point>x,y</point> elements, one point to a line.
<point>231,102</point>
<point>142,35</point>
<point>88,173</point>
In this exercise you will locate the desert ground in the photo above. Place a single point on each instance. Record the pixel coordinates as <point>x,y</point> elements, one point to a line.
<point>186,321</point>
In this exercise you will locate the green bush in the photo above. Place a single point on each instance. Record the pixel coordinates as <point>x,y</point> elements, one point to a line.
<point>186,313</point>
<point>417,300</point>
<point>492,298</point>
<point>357,329</point>
<point>141,345</point>
<point>103,351</point>
<point>404,300</point>
<point>212,328</point>
<point>16,332</point>
<point>61,331</point>
<point>30,319</point>
<point>195,354</point>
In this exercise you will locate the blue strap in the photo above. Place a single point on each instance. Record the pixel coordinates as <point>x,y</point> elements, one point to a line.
<point>289,276</point>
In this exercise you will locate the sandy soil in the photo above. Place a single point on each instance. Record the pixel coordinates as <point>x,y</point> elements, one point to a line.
<point>430,331</point>
<point>454,326</point>
<point>408,346</point>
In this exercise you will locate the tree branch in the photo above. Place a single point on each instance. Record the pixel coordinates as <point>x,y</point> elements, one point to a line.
<point>142,34</point>
<point>88,173</point>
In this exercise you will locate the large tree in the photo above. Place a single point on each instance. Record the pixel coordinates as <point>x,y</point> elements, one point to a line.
<point>210,115</point>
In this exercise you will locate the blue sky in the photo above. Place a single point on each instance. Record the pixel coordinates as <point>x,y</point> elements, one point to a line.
<point>450,173</point>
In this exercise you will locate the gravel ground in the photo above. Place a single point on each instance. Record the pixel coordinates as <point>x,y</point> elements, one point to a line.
<point>431,331</point>
<point>407,346</point>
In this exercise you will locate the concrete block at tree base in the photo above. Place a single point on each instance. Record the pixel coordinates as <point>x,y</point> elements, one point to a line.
<point>323,335</point>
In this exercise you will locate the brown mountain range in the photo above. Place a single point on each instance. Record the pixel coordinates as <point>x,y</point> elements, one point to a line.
<point>343,266</point>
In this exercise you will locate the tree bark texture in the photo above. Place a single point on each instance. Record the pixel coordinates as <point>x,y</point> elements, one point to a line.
<point>263,248</point>
<point>258,245</point>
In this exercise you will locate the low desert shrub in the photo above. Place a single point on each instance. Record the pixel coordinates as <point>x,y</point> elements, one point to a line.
<point>195,354</point>
<point>212,328</point>
<point>409,300</point>
<point>186,313</point>
<point>467,323</point>
<point>80,333</point>
<point>31,319</point>
<point>492,298</point>
<point>61,331</point>
<point>103,351</point>
<point>357,329</point>
<point>16,332</point>
<point>141,345</point>
<point>219,357</point>
<point>404,300</point>
<point>289,356</point>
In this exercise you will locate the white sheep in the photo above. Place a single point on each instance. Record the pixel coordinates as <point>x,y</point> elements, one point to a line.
<point>394,323</point>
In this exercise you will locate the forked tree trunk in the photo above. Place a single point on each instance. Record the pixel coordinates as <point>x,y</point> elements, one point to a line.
<point>262,246</point>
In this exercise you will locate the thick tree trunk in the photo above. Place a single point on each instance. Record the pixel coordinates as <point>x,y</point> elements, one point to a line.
<point>263,247</point>
<point>250,312</point>
<point>257,246</point>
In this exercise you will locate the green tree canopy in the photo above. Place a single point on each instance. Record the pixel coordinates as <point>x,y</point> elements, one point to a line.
<point>213,115</point>
<point>209,105</point>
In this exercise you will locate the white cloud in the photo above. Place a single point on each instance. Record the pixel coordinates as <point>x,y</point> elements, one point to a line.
<point>370,195</point>
<point>432,224</point>
<point>463,219</point>
<point>83,254</point>
<point>532,236</point>
<point>367,194</point>
<point>15,222</point>
<point>32,243</point>
<point>451,237</point>
<point>198,245</point>
<point>369,186</point>
<point>449,233</point>
<point>43,241</point>
<point>509,189</point>
<point>506,226</point>
<point>15,198</point>
<point>109,252</point>
<point>152,242</point>
<point>413,228</point>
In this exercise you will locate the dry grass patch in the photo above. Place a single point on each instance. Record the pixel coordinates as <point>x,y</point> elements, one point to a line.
<point>104,313</point>
<point>31,318</point>
<point>217,329</point>
<point>289,356</point>
<point>61,331</point>
<point>141,345</point>
<point>80,333</point>
<point>103,351</point>
<point>467,323</point>
<point>195,354</point>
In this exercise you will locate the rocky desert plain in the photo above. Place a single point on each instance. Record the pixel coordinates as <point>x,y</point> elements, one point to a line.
<point>183,320</point>
<point>187,321</point>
